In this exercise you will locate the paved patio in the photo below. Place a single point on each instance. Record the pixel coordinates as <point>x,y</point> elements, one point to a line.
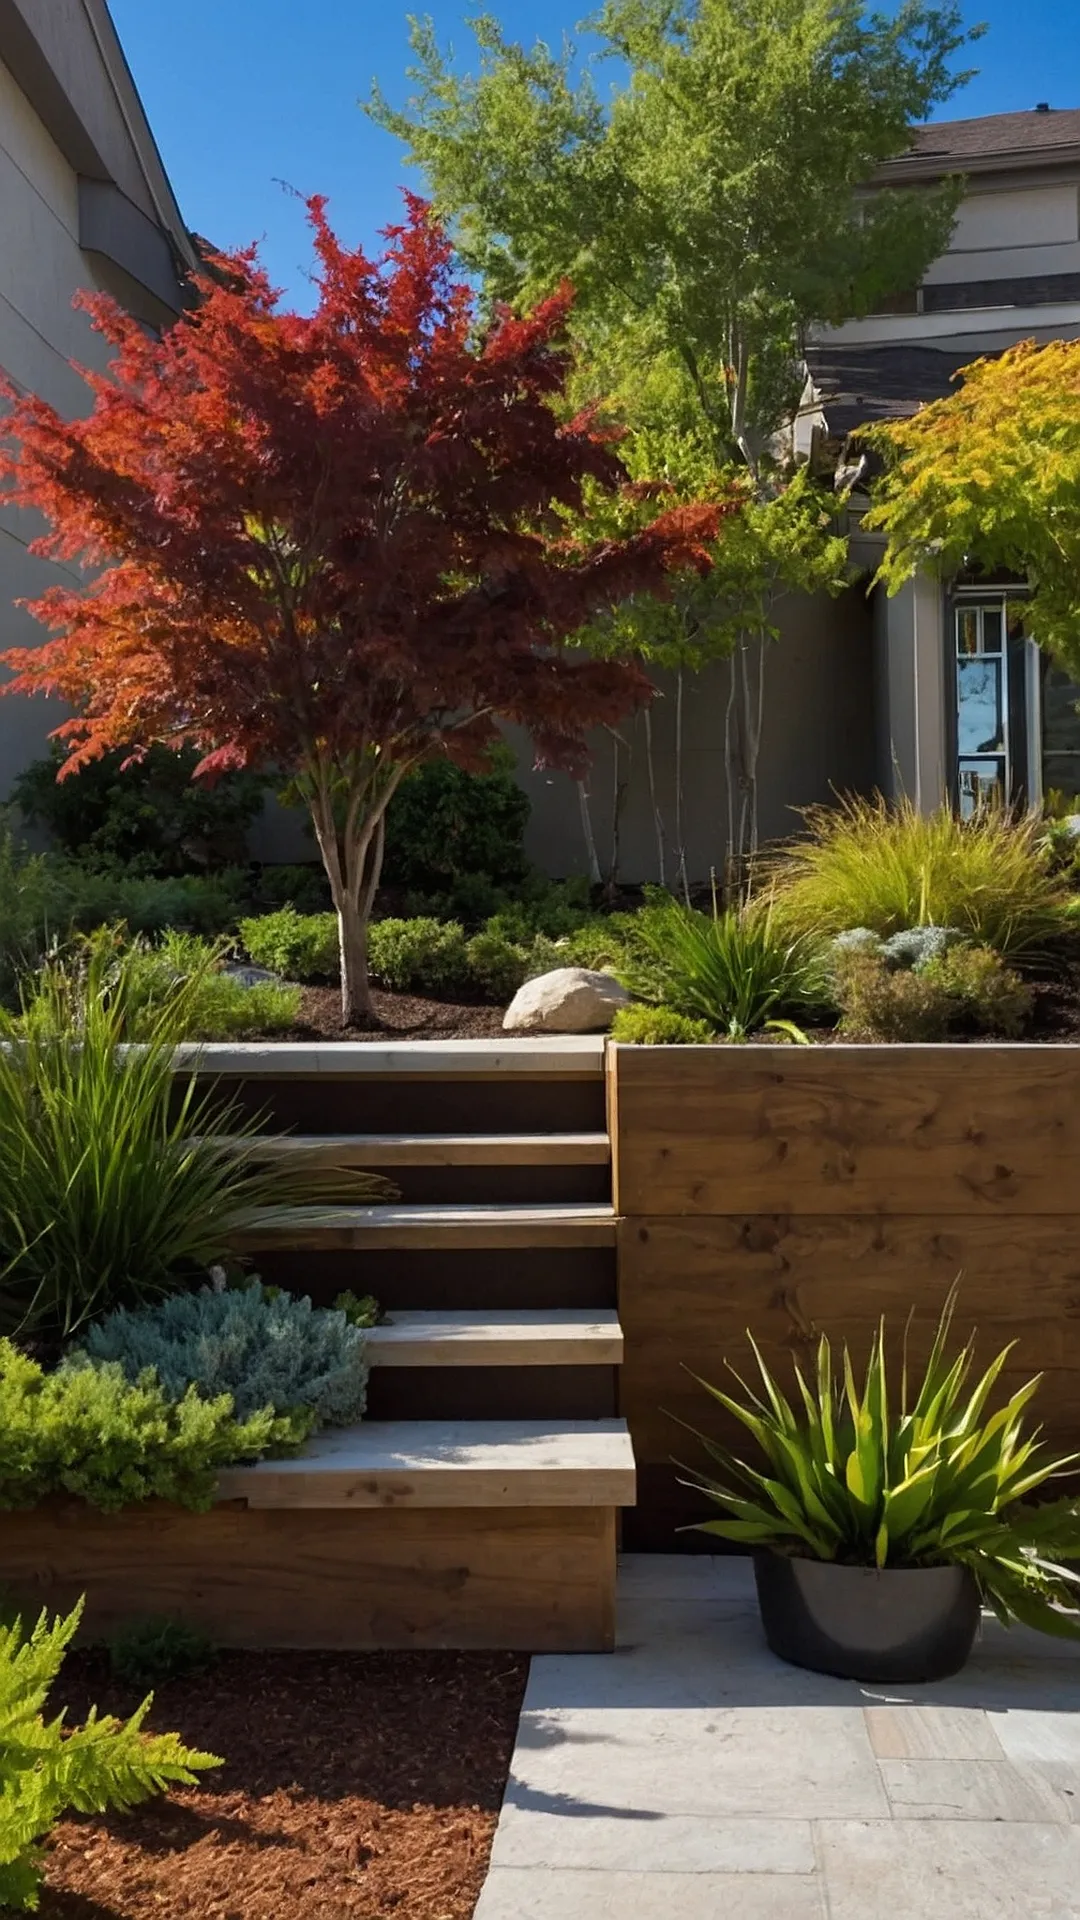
<point>690,1776</point>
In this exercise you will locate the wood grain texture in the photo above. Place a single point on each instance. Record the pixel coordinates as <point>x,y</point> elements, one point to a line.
<point>446,1463</point>
<point>690,1288</point>
<point>537,1581</point>
<point>560,1337</point>
<point>548,1224</point>
<point>436,1149</point>
<point>962,1130</point>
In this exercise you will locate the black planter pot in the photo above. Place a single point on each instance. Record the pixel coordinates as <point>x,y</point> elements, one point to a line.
<point>903,1624</point>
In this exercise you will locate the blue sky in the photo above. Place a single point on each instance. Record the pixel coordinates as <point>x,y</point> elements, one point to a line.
<point>246,94</point>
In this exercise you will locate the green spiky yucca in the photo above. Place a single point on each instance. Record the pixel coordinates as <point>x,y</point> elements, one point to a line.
<point>937,1478</point>
<point>47,1768</point>
<point>119,1177</point>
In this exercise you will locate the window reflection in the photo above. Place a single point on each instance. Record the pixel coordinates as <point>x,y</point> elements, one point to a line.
<point>982,705</point>
<point>979,719</point>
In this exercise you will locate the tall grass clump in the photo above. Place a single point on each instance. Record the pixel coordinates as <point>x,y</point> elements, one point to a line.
<point>741,972</point>
<point>883,865</point>
<point>119,1178</point>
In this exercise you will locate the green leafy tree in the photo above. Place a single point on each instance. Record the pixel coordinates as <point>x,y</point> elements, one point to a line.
<point>786,538</point>
<point>47,1768</point>
<point>708,211</point>
<point>992,475</point>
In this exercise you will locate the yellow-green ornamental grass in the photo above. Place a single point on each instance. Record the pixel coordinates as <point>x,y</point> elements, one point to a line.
<point>882,865</point>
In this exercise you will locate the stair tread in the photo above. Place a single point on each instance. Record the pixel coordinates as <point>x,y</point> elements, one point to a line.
<point>570,1056</point>
<point>432,1463</point>
<point>444,1149</point>
<point>557,1336</point>
<point>540,1224</point>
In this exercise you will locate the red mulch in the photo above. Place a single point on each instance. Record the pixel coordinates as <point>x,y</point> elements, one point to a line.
<point>355,1786</point>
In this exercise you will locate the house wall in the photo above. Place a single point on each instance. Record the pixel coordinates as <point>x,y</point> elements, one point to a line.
<point>69,119</point>
<point>41,267</point>
<point>817,739</point>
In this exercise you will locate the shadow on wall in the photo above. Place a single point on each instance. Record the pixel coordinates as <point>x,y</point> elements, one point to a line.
<point>817,739</point>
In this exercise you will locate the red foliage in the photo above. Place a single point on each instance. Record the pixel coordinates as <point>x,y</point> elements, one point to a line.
<point>318,531</point>
<point>327,543</point>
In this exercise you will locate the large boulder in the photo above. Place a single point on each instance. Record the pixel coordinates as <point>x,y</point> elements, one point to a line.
<point>570,1000</point>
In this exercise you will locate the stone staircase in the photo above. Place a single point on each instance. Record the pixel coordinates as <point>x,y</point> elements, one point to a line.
<point>493,1463</point>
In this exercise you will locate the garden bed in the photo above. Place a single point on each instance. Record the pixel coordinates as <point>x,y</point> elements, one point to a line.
<point>353,1785</point>
<point>404,1016</point>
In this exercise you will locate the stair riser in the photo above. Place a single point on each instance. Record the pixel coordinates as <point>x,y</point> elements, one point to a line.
<point>504,1105</point>
<point>455,1280</point>
<point>492,1393</point>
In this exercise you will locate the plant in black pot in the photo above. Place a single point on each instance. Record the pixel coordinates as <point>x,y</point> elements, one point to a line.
<point>880,1528</point>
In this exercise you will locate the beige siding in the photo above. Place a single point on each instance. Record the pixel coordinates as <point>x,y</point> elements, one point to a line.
<point>41,268</point>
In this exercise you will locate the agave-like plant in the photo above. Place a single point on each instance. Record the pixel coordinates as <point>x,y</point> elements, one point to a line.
<point>739,969</point>
<point>119,1176</point>
<point>937,1479</point>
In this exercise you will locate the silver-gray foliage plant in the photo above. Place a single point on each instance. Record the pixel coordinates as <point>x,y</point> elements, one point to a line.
<point>910,950</point>
<point>266,1349</point>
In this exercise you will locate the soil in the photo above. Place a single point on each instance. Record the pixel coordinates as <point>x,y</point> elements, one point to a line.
<point>354,1786</point>
<point>403,1017</point>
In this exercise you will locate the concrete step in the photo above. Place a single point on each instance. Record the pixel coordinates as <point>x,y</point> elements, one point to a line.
<point>436,1463</point>
<point>324,1229</point>
<point>563,1337</point>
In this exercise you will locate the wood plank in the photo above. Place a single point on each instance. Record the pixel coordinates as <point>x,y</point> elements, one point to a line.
<point>436,1463</point>
<point>690,1288</point>
<point>549,1224</point>
<point>439,1149</point>
<point>860,1130</point>
<point>564,1056</point>
<point>539,1580</point>
<point>562,1337</point>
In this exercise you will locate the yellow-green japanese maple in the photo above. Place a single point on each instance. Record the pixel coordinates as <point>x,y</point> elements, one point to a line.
<point>991,476</point>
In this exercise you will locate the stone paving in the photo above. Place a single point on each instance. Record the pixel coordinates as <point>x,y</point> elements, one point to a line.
<point>691,1776</point>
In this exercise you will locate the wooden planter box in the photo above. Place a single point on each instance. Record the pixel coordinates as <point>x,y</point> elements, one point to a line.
<point>534,1579</point>
<point>796,1190</point>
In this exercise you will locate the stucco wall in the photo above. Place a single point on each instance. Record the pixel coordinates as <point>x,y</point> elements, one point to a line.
<point>818,737</point>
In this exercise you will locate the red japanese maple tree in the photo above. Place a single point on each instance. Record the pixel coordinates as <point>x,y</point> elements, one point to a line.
<point>327,545</point>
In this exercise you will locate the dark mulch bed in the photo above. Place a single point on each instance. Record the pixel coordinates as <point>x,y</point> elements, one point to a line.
<point>355,1786</point>
<point>403,1017</point>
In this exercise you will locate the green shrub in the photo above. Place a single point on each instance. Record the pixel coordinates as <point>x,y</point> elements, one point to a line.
<point>150,811</point>
<point>891,868</point>
<point>299,946</point>
<point>182,973</point>
<point>305,888</point>
<point>497,966</point>
<point>263,1347</point>
<point>30,912</point>
<point>659,1027</point>
<point>86,1430</point>
<point>880,1479</point>
<point>963,989</point>
<point>149,1649</point>
<point>738,971</point>
<point>419,956</point>
<point>48,1767</point>
<point>117,1174</point>
<point>445,826</point>
<point>206,904</point>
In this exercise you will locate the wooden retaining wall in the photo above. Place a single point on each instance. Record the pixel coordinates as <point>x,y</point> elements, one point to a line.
<point>797,1190</point>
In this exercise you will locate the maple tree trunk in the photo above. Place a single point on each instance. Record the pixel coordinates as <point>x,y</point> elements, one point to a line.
<point>356,1004</point>
<point>353,857</point>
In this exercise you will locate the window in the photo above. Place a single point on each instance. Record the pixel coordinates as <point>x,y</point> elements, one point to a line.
<point>987,634</point>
